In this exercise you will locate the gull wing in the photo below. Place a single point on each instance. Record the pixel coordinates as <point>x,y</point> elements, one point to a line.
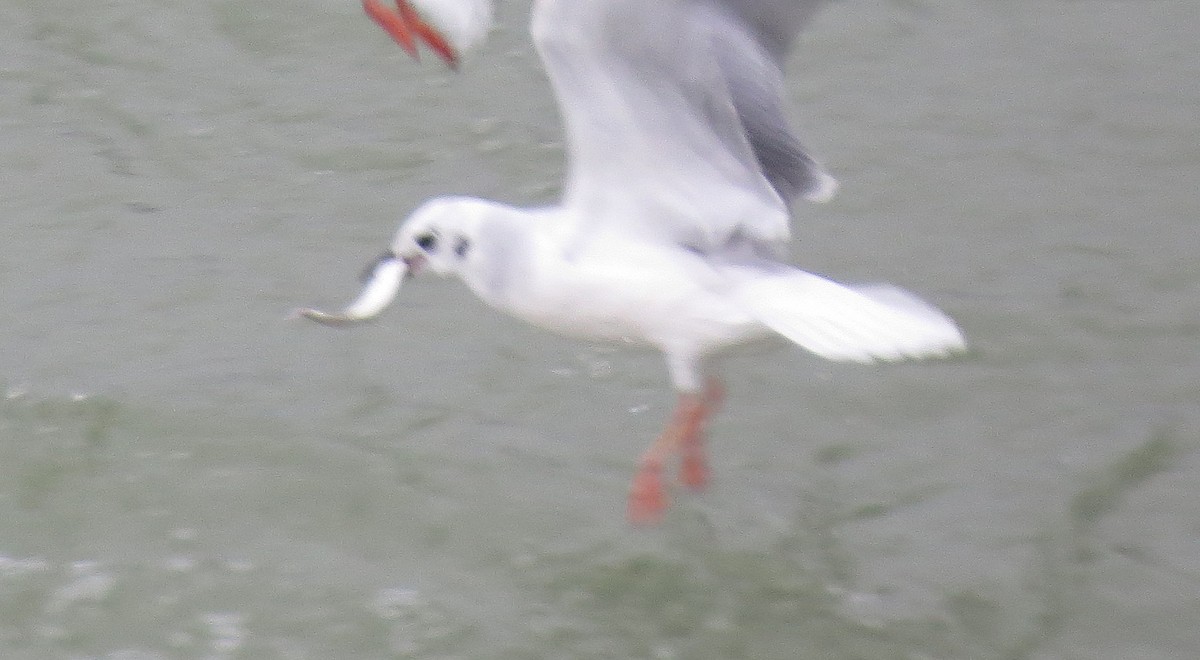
<point>673,111</point>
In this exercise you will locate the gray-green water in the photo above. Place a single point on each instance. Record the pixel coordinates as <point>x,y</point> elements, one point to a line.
<point>184,473</point>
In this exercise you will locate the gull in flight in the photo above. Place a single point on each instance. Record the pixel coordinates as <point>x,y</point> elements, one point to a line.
<point>674,218</point>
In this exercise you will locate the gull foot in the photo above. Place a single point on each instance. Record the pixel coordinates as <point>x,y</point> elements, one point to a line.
<point>647,500</point>
<point>693,470</point>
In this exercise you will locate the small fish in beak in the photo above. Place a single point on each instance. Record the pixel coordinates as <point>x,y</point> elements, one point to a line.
<point>383,279</point>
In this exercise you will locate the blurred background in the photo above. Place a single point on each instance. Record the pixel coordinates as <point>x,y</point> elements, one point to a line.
<point>186,473</point>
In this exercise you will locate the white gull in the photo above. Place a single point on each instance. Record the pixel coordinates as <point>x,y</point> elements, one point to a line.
<point>674,218</point>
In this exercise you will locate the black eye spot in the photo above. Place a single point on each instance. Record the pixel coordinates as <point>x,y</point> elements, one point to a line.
<point>461,246</point>
<point>427,242</point>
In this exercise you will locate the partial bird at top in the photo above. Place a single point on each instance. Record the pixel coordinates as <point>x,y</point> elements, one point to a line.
<point>674,218</point>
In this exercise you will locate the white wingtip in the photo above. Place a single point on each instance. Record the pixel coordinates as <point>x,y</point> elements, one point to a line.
<point>824,189</point>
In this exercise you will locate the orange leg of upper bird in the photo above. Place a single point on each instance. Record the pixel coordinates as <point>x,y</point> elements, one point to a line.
<point>406,26</point>
<point>684,435</point>
<point>393,24</point>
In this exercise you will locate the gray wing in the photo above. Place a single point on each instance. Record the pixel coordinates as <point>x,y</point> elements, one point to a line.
<point>674,115</point>
<point>774,24</point>
<point>767,26</point>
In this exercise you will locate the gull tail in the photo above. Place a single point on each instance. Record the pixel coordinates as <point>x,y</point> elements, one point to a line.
<point>856,324</point>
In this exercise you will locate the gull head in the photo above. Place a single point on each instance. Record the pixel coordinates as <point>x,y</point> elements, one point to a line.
<point>440,236</point>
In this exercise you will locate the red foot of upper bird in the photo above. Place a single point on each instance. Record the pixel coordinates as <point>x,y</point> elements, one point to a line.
<point>406,27</point>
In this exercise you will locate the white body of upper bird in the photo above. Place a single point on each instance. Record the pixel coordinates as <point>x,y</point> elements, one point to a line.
<point>674,215</point>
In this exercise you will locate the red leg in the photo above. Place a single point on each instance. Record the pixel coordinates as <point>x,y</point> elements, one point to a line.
<point>693,470</point>
<point>684,433</point>
<point>406,26</point>
<point>428,34</point>
<point>392,23</point>
<point>647,500</point>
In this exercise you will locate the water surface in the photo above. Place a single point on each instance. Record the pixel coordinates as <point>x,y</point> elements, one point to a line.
<point>185,473</point>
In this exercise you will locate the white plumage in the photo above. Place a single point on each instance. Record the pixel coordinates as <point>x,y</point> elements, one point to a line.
<point>675,206</point>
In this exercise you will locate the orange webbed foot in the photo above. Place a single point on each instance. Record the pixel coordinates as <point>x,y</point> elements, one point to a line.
<point>684,436</point>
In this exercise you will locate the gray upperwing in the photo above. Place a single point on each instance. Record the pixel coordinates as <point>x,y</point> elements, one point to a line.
<point>774,24</point>
<point>751,41</point>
